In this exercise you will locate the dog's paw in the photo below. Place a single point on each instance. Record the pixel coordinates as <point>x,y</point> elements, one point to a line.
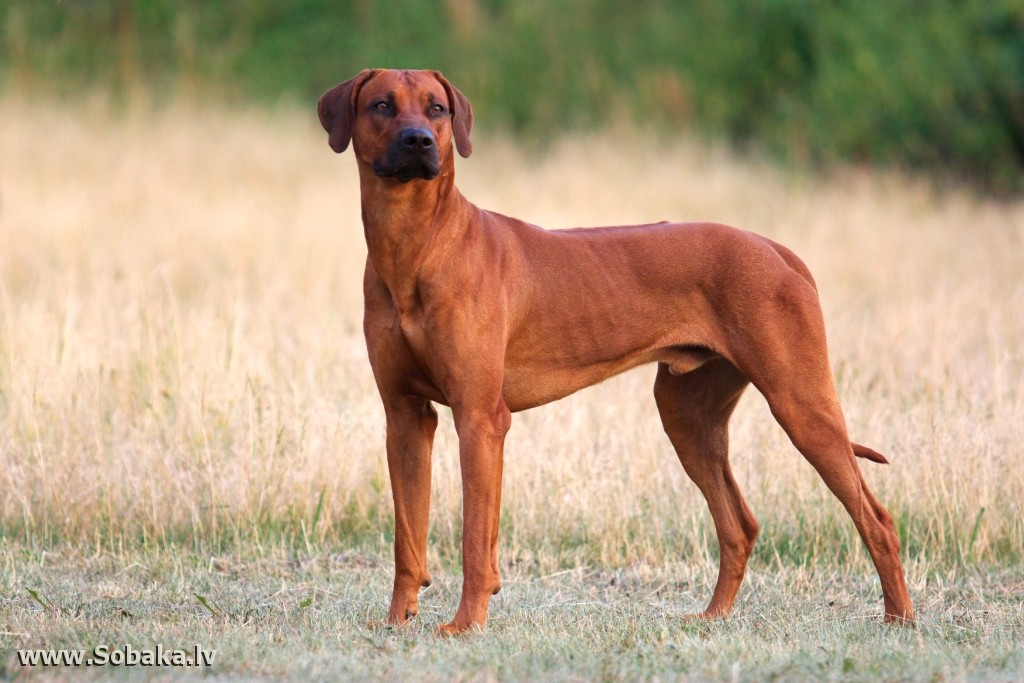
<point>401,617</point>
<point>905,620</point>
<point>458,629</point>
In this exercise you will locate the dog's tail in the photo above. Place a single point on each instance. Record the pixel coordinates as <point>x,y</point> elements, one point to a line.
<point>868,454</point>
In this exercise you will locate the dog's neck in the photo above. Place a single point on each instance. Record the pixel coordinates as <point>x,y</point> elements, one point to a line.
<point>402,220</point>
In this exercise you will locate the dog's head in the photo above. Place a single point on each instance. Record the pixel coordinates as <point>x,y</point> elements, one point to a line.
<point>401,123</point>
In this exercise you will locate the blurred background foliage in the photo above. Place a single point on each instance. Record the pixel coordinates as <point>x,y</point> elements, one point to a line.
<point>926,84</point>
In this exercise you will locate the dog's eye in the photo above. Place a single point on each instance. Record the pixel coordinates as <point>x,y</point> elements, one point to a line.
<point>437,109</point>
<point>382,106</point>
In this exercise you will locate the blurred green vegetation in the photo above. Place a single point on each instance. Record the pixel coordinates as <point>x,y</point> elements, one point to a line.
<point>927,84</point>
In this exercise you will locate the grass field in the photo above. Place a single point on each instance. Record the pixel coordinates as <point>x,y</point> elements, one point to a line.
<point>191,445</point>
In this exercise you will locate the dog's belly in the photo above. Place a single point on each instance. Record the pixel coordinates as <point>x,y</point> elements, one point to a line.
<point>526,388</point>
<point>528,385</point>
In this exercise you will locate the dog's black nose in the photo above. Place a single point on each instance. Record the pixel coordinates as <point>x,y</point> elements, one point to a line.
<point>416,138</point>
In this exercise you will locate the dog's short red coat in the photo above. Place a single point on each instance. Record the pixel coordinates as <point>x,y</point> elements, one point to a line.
<point>490,315</point>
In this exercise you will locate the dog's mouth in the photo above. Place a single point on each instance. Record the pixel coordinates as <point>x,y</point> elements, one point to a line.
<point>409,168</point>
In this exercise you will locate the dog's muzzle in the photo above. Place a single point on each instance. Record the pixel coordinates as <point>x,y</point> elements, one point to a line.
<point>411,154</point>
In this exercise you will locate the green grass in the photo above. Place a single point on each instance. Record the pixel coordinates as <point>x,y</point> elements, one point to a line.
<point>934,85</point>
<point>317,616</point>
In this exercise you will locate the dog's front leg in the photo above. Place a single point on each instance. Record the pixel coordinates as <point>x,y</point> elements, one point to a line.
<point>410,435</point>
<point>481,430</point>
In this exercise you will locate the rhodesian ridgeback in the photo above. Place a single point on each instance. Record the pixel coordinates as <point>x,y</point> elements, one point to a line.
<point>490,315</point>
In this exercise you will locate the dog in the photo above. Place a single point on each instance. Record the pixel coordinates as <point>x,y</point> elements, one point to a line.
<point>491,315</point>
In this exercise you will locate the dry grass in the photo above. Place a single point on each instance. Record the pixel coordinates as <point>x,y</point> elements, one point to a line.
<point>181,361</point>
<point>180,352</point>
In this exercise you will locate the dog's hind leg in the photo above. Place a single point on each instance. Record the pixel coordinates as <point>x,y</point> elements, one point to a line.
<point>783,352</point>
<point>695,409</point>
<point>816,427</point>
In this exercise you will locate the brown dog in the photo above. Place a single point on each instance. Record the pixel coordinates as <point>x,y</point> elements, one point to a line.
<point>490,315</point>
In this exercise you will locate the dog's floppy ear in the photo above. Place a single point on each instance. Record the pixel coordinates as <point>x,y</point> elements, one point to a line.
<point>462,116</point>
<point>337,110</point>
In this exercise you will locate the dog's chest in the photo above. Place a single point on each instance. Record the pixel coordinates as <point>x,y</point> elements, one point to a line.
<point>413,329</point>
